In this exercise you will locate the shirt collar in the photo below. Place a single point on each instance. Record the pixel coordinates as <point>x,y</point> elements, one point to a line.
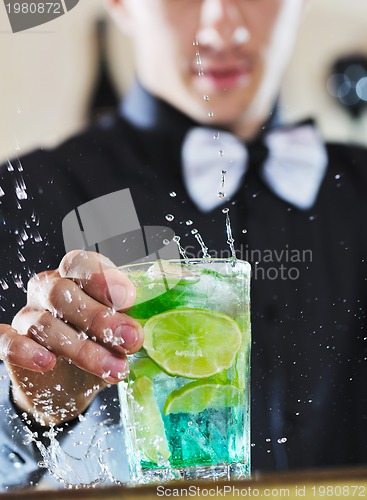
<point>146,111</point>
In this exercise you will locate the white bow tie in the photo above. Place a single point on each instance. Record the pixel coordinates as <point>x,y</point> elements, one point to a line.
<point>293,170</point>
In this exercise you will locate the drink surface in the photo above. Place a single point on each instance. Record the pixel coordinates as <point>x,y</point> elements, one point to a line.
<point>186,403</point>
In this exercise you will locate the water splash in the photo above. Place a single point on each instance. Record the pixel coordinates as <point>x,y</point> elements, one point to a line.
<point>221,194</point>
<point>201,242</point>
<point>88,470</point>
<point>181,249</point>
<point>230,239</point>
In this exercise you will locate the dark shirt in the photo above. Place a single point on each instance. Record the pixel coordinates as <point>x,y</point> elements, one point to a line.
<point>309,352</point>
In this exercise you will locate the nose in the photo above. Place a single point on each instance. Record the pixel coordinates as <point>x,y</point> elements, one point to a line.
<point>222,24</point>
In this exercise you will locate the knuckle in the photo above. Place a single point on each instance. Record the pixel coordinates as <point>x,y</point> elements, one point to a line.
<point>69,261</point>
<point>21,319</point>
<point>39,330</point>
<point>95,319</point>
<point>84,355</point>
<point>56,291</point>
<point>78,264</point>
<point>7,341</point>
<point>37,287</point>
<point>45,320</point>
<point>34,283</point>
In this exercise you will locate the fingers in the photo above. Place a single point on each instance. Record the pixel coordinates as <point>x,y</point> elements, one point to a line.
<point>22,351</point>
<point>99,278</point>
<point>76,313</point>
<point>68,301</point>
<point>75,347</point>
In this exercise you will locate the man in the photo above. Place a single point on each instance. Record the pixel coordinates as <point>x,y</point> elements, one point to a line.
<point>216,63</point>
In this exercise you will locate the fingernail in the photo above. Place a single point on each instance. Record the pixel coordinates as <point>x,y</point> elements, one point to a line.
<point>118,295</point>
<point>42,357</point>
<point>114,367</point>
<point>127,334</point>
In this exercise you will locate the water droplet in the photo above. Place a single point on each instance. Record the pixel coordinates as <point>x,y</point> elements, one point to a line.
<point>165,242</point>
<point>37,237</point>
<point>1,192</point>
<point>210,114</point>
<point>194,231</point>
<point>201,72</point>
<point>20,190</point>
<point>221,195</point>
<point>206,98</point>
<point>122,375</point>
<point>170,217</point>
<point>172,194</point>
<point>216,136</point>
<point>108,336</point>
<point>20,256</point>
<point>189,222</point>
<point>4,285</point>
<point>282,440</point>
<point>221,153</point>
<point>244,231</point>
<point>225,210</point>
<point>176,239</point>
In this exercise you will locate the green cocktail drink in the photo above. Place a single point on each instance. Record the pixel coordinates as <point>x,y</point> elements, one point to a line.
<point>186,404</point>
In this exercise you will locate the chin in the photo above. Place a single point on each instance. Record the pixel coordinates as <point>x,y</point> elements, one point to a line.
<point>224,113</point>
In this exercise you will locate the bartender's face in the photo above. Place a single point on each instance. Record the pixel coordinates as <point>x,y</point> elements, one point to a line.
<point>219,61</point>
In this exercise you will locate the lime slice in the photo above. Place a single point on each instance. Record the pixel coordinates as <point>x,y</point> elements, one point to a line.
<point>150,434</point>
<point>144,367</point>
<point>192,343</point>
<point>196,397</point>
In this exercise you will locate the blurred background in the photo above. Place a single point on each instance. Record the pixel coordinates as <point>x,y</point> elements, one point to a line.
<point>57,77</point>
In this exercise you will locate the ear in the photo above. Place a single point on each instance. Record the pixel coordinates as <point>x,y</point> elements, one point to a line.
<point>120,14</point>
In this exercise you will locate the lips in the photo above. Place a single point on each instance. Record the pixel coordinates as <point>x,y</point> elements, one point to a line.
<point>225,77</point>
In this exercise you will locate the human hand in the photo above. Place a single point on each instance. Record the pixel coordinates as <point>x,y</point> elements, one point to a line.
<point>73,337</point>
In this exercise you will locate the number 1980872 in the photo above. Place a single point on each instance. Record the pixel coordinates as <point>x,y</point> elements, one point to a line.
<point>34,8</point>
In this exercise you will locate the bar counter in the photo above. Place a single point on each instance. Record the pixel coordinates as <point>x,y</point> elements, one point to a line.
<point>327,483</point>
